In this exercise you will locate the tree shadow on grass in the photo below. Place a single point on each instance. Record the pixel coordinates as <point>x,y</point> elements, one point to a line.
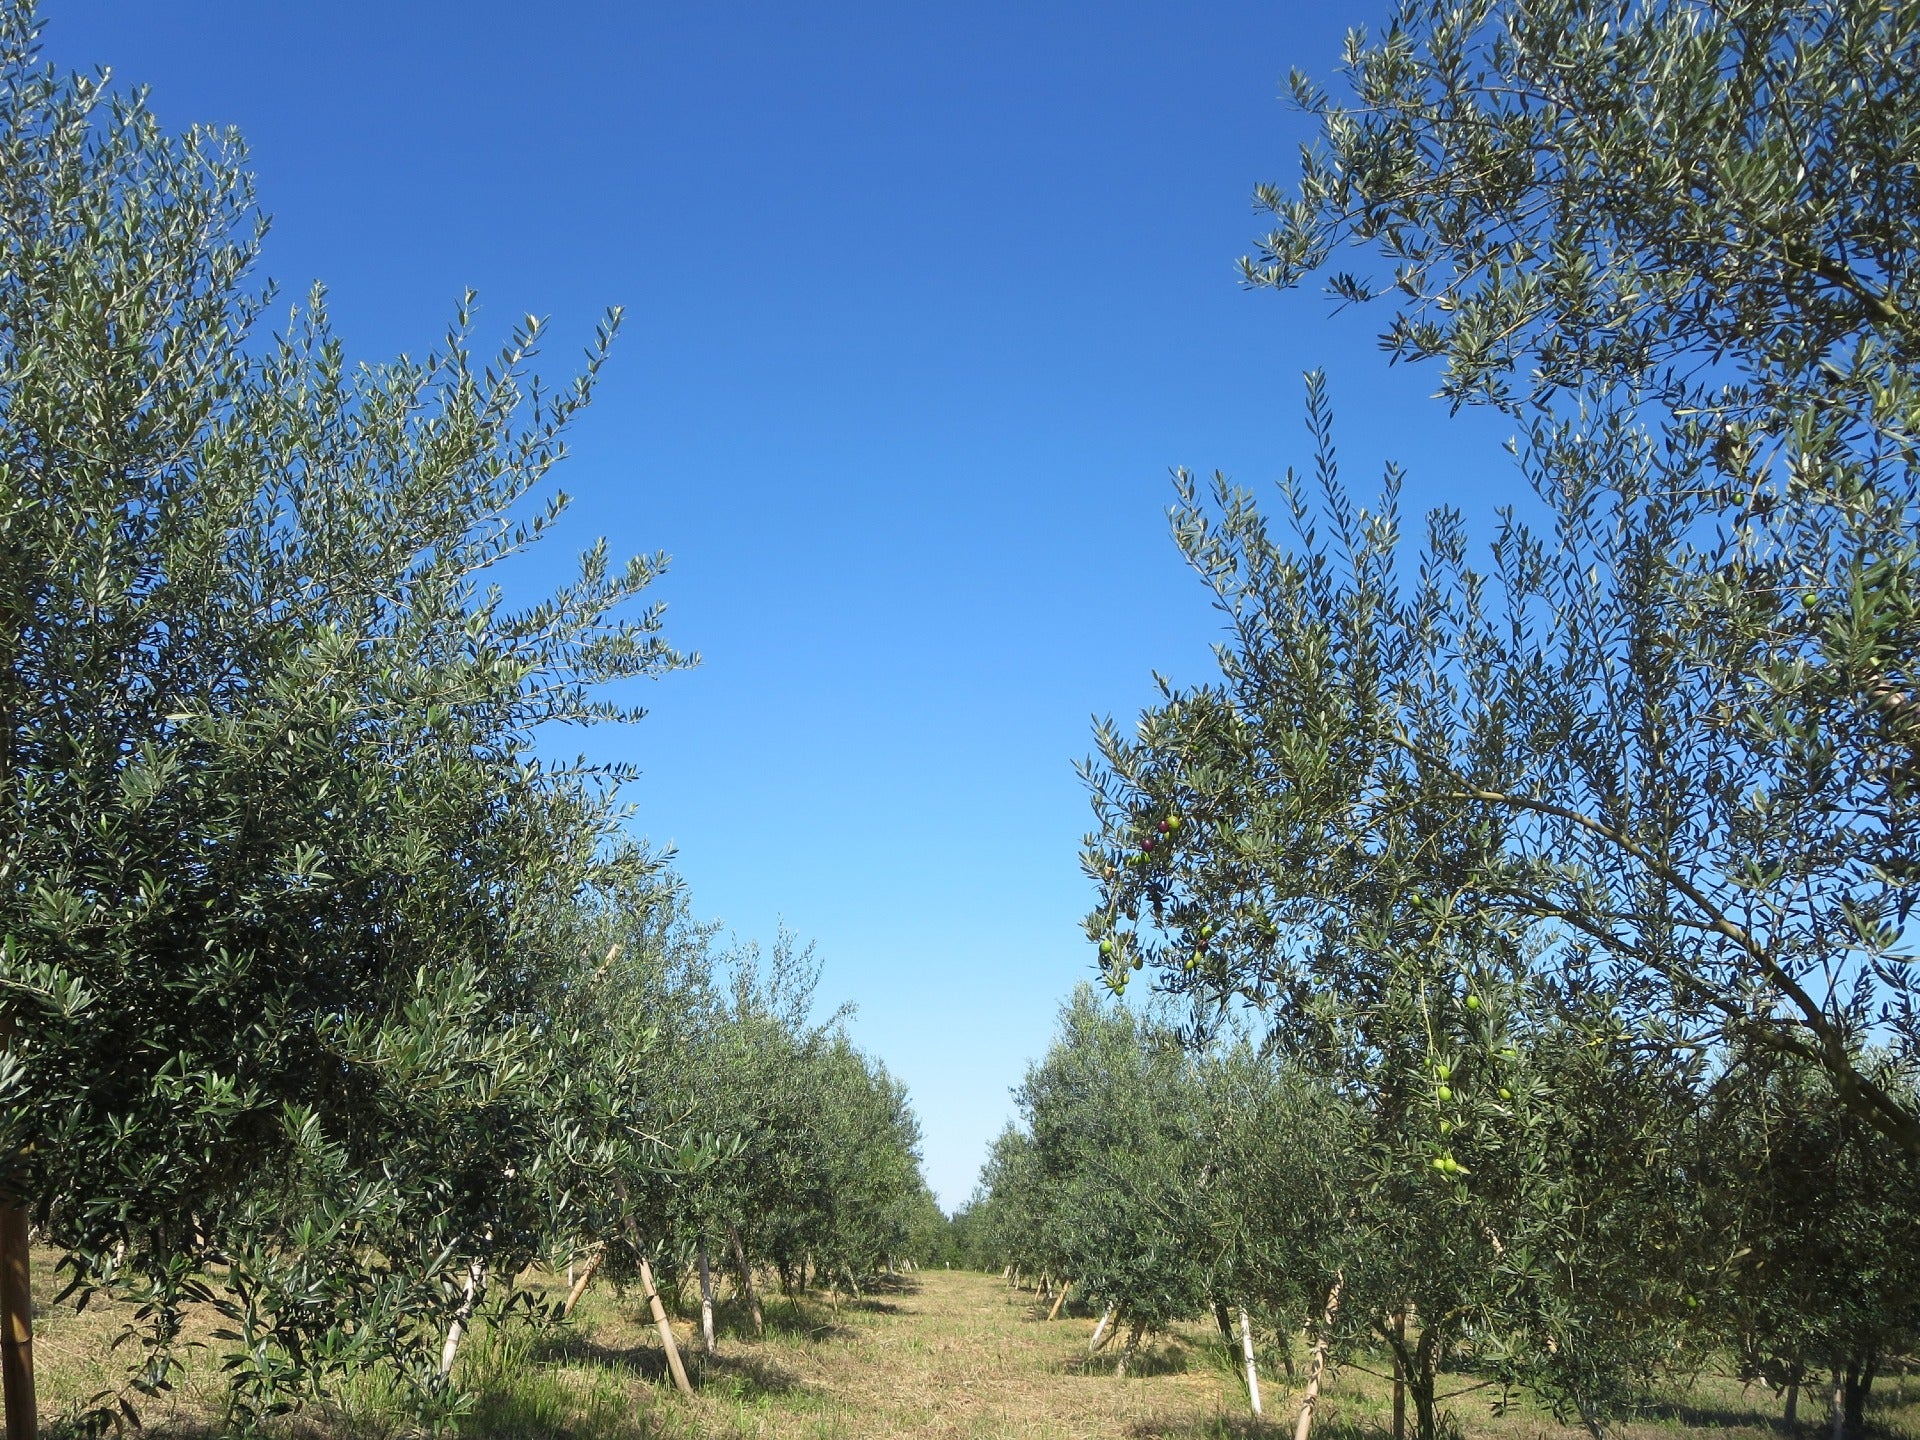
<point>1153,1359</point>
<point>1702,1416</point>
<point>791,1319</point>
<point>744,1374</point>
<point>570,1347</point>
<point>1225,1427</point>
<point>739,1371</point>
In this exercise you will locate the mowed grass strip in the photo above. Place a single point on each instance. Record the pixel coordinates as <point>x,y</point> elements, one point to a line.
<point>939,1353</point>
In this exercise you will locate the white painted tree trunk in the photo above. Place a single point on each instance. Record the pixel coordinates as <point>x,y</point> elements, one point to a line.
<point>1100,1331</point>
<point>1246,1354</point>
<point>706,1301</point>
<point>476,1272</point>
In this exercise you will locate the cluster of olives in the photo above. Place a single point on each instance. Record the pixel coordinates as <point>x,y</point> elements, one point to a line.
<point>1158,839</point>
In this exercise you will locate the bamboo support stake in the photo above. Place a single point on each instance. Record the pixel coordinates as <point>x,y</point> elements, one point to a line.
<point>746,1280</point>
<point>579,1286</point>
<point>1246,1353</point>
<point>1304,1426</point>
<point>663,1325</point>
<point>1060,1299</point>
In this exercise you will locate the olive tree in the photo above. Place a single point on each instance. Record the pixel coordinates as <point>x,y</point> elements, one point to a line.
<point>285,884</point>
<point>1673,718</point>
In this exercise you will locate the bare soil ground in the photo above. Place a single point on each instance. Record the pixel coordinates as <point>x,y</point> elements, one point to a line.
<point>939,1354</point>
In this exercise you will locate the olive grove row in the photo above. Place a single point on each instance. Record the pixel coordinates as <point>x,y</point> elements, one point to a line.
<point>1560,858</point>
<point>1517,1208</point>
<point>327,1002</point>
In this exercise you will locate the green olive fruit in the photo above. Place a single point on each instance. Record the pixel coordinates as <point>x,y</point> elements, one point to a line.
<point>1138,963</point>
<point>1440,1163</point>
<point>1445,1072</point>
<point>1446,1093</point>
<point>1505,1094</point>
<point>1473,1002</point>
<point>1173,822</point>
<point>1106,947</point>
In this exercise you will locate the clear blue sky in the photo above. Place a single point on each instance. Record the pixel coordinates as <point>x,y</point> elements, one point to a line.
<point>923,302</point>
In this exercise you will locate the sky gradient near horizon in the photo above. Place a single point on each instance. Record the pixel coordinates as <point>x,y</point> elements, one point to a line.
<point>922,302</point>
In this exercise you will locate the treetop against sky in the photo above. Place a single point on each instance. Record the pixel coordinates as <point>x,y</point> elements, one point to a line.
<point>921,307</point>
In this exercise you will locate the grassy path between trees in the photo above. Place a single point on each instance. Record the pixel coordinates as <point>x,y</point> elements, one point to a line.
<point>946,1354</point>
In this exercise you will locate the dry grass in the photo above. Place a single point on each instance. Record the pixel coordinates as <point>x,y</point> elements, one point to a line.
<point>945,1354</point>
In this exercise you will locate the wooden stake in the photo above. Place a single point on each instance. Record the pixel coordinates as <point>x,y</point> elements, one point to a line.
<point>662,1324</point>
<point>580,1285</point>
<point>1303,1427</point>
<point>746,1280</point>
<point>1060,1299</point>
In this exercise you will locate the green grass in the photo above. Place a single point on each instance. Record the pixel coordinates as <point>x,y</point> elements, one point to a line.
<point>941,1354</point>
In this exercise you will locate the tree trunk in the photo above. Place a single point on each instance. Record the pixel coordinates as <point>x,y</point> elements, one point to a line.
<point>579,1287</point>
<point>1100,1335</point>
<point>1422,1383</point>
<point>476,1273</point>
<point>1303,1427</point>
<point>853,1285</point>
<point>16,1263</point>
<point>1060,1299</point>
<point>1246,1354</point>
<point>1399,1375</point>
<point>16,1320</point>
<point>1131,1348</point>
<point>1223,1320</point>
<point>661,1323</point>
<point>706,1301</point>
<point>1839,1407</point>
<point>746,1280</point>
<point>1859,1382</point>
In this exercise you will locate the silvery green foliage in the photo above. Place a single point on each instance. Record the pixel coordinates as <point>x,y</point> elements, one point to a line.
<point>286,897</point>
<point>1629,788</point>
<point>1664,724</point>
